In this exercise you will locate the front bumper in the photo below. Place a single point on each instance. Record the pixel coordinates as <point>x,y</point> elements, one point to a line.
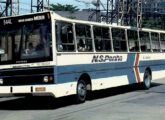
<point>56,90</point>
<point>7,91</point>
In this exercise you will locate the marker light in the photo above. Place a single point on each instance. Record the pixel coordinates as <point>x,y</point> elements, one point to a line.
<point>51,78</point>
<point>46,79</point>
<point>1,81</point>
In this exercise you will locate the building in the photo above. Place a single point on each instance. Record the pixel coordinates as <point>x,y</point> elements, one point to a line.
<point>79,15</point>
<point>154,6</point>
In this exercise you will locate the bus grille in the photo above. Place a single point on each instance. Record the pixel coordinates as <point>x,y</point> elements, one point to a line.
<point>26,76</point>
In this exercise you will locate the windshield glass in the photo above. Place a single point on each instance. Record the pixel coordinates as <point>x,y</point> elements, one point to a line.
<point>26,43</point>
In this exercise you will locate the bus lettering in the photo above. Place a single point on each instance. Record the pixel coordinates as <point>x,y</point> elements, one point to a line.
<point>106,58</point>
<point>95,59</point>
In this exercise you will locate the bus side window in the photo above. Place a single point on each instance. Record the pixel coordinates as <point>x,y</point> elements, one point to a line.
<point>145,41</point>
<point>64,36</point>
<point>102,39</point>
<point>119,41</point>
<point>155,42</point>
<point>133,41</point>
<point>162,38</point>
<point>83,37</point>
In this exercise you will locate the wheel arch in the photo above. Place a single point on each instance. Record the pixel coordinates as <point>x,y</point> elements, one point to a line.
<point>86,77</point>
<point>149,70</point>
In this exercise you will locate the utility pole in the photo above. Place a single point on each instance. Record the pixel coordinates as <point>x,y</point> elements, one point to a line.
<point>111,14</point>
<point>98,11</point>
<point>139,14</point>
<point>9,7</point>
<point>120,6</point>
<point>39,5</point>
<point>131,13</point>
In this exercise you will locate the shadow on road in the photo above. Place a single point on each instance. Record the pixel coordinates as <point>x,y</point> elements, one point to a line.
<point>47,103</point>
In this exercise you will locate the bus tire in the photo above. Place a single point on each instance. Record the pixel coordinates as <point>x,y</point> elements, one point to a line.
<point>81,91</point>
<point>147,80</point>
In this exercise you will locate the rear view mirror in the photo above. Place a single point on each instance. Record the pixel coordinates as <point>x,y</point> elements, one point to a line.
<point>2,51</point>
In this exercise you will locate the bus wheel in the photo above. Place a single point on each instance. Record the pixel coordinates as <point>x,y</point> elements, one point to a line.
<point>81,91</point>
<point>147,80</point>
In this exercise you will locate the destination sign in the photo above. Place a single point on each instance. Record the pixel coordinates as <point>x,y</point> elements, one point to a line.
<point>24,19</point>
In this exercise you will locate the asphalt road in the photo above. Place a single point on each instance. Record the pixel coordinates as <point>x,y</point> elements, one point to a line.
<point>122,103</point>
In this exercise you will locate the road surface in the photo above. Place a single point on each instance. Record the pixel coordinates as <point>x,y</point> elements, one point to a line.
<point>122,103</point>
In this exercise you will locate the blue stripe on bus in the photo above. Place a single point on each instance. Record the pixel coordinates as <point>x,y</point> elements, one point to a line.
<point>155,65</point>
<point>65,78</point>
<point>64,74</point>
<point>151,62</point>
<point>96,71</point>
<point>67,73</point>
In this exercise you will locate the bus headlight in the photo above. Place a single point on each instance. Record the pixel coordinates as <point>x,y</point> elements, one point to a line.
<point>1,81</point>
<point>46,79</point>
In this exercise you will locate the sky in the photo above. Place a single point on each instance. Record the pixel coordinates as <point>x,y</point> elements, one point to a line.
<point>25,4</point>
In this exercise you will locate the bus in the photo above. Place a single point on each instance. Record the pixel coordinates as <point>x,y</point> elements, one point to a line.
<point>49,55</point>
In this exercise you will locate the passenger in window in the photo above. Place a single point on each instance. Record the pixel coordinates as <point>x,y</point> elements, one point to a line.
<point>31,47</point>
<point>60,47</point>
<point>16,48</point>
<point>30,50</point>
<point>143,48</point>
<point>81,45</point>
<point>39,47</point>
<point>136,46</point>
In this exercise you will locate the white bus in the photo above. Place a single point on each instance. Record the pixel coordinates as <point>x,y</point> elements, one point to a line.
<point>46,54</point>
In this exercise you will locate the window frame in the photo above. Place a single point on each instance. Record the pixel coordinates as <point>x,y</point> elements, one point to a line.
<point>161,42</point>
<point>149,36</point>
<point>139,50</point>
<point>126,40</point>
<point>109,35</point>
<point>74,41</point>
<point>158,50</point>
<point>91,37</point>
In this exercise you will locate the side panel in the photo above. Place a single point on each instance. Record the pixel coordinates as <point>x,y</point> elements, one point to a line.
<point>105,70</point>
<point>156,62</point>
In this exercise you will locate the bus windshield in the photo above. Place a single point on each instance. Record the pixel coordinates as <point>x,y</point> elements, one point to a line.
<point>25,43</point>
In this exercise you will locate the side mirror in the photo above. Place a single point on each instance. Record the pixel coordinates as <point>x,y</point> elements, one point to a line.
<point>2,51</point>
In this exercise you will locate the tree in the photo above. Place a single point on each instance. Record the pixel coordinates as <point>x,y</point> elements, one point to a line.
<point>60,7</point>
<point>153,22</point>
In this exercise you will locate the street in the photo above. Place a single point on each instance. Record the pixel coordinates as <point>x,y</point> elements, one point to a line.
<point>122,103</point>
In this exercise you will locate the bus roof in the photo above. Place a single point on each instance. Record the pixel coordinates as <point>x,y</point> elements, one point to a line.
<point>58,17</point>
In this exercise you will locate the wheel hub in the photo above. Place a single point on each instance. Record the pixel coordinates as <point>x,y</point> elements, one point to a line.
<point>81,89</point>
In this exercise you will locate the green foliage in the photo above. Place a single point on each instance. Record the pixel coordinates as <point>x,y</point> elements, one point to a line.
<point>60,7</point>
<point>153,23</point>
